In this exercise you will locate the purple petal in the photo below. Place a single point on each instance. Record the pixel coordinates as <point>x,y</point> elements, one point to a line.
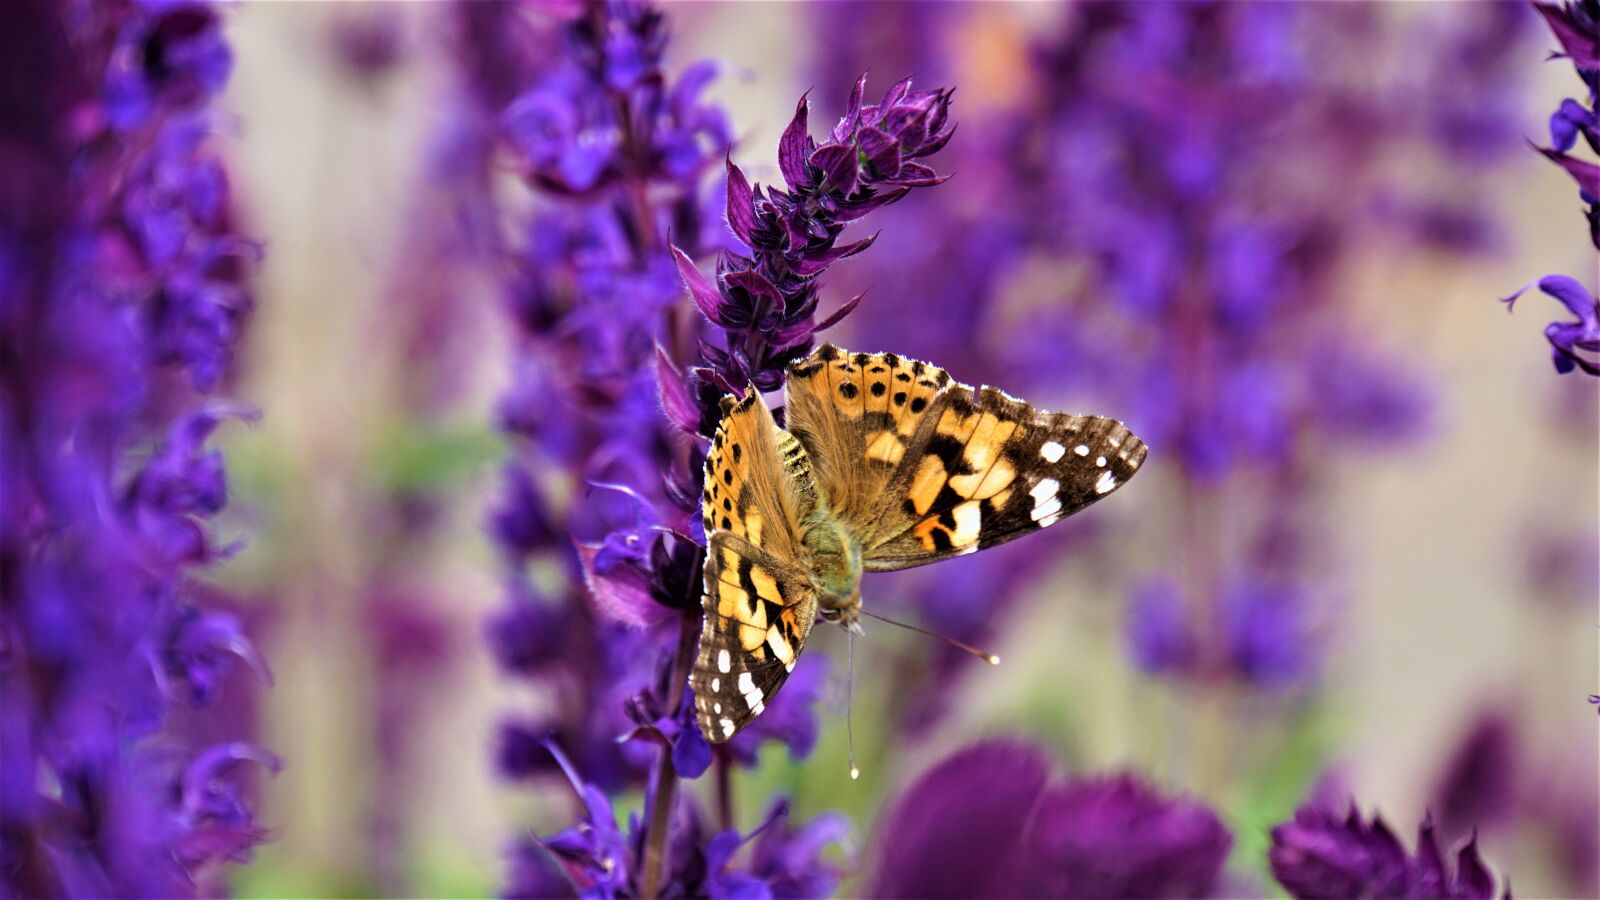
<point>1573,295</point>
<point>705,296</point>
<point>954,829</point>
<point>792,147</point>
<point>623,594</point>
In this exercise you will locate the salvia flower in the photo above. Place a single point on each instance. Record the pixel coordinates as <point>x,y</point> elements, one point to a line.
<point>1322,854</point>
<point>766,302</point>
<point>602,858</point>
<point>1575,344</point>
<point>122,290</point>
<point>1088,837</point>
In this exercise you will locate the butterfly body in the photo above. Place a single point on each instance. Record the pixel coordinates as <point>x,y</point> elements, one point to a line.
<point>835,567</point>
<point>887,463</point>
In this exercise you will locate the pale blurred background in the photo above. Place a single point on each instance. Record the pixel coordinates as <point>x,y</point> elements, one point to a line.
<point>388,785</point>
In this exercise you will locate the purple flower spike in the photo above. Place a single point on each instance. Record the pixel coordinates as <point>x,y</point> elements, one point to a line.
<point>123,291</point>
<point>766,302</point>
<point>1319,854</point>
<point>1573,344</point>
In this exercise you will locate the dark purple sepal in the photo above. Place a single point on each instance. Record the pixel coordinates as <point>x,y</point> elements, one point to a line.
<point>1578,34</point>
<point>705,296</point>
<point>1473,878</point>
<point>931,847</point>
<point>838,165</point>
<point>741,204</point>
<point>673,391</point>
<point>793,146</point>
<point>882,152</point>
<point>839,314</point>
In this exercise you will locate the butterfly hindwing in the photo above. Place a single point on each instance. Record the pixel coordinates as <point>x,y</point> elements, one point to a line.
<point>758,601</point>
<point>957,471</point>
<point>758,613</point>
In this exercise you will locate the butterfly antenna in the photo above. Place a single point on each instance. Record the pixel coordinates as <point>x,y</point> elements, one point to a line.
<point>990,658</point>
<point>849,701</point>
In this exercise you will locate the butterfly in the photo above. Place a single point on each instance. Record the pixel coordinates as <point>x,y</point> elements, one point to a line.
<point>886,463</point>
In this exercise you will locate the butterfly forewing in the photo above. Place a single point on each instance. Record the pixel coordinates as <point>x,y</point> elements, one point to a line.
<point>758,601</point>
<point>857,414</point>
<point>942,470</point>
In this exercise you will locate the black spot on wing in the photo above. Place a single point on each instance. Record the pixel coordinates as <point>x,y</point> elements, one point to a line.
<point>748,584</point>
<point>950,452</point>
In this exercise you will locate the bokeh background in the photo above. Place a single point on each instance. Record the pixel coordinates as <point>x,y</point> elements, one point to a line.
<point>1442,521</point>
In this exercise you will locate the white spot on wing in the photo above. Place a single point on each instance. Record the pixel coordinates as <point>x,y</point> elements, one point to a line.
<point>1081,449</point>
<point>724,661</point>
<point>1045,500</point>
<point>757,707</point>
<point>1107,482</point>
<point>1052,451</point>
<point>969,521</point>
<point>727,726</point>
<point>1100,461</point>
<point>746,683</point>
<point>716,684</point>
<point>716,708</point>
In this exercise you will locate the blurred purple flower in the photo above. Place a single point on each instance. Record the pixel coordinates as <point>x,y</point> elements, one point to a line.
<point>1320,854</point>
<point>119,275</point>
<point>1115,837</point>
<point>927,845</point>
<point>1261,627</point>
<point>573,139</point>
<point>1157,632</point>
<point>1572,344</point>
<point>1108,837</point>
<point>1478,785</point>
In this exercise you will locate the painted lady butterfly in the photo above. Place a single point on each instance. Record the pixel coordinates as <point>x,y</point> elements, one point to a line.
<point>887,463</point>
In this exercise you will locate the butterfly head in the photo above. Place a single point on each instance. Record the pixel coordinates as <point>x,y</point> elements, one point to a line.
<point>847,613</point>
